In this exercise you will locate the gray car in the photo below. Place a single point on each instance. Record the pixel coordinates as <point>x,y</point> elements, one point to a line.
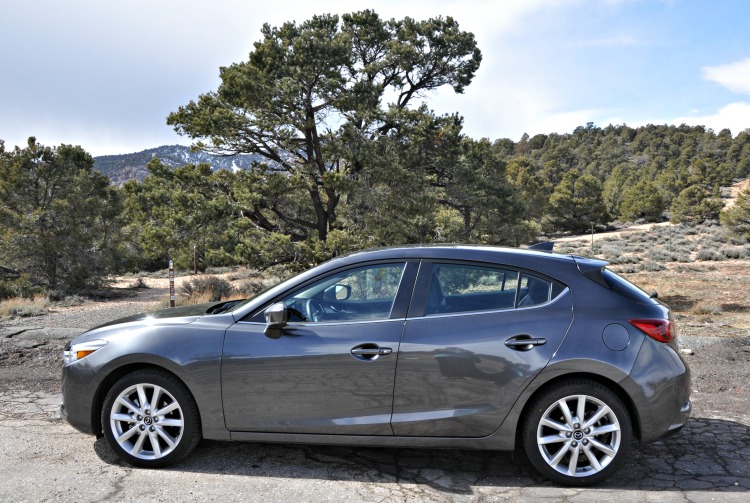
<point>461,347</point>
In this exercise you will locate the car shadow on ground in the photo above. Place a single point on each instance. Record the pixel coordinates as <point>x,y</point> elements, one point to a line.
<point>709,454</point>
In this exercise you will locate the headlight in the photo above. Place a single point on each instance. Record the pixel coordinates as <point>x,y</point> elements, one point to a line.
<point>82,350</point>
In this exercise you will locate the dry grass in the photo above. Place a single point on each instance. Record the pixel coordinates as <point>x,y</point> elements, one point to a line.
<point>708,298</point>
<point>21,306</point>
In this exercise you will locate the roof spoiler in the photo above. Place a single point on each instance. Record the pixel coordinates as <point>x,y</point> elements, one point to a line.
<point>544,246</point>
<point>592,269</point>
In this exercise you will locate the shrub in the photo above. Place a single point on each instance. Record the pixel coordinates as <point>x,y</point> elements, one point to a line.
<point>625,259</point>
<point>627,269</point>
<point>138,283</point>
<point>660,255</point>
<point>707,255</point>
<point>734,252</point>
<point>206,289</point>
<point>653,266</point>
<point>244,273</point>
<point>70,301</point>
<point>21,306</point>
<point>249,288</point>
<point>19,287</point>
<point>706,309</point>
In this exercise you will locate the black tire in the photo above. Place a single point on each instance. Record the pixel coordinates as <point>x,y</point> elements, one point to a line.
<point>145,437</point>
<point>594,450</point>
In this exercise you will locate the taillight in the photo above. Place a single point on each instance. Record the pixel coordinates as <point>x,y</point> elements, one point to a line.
<point>660,330</point>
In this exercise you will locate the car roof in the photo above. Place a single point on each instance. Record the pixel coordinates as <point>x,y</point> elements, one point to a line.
<point>454,252</point>
<point>545,262</point>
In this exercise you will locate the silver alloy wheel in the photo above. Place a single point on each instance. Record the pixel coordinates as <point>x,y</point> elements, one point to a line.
<point>578,435</point>
<point>147,421</point>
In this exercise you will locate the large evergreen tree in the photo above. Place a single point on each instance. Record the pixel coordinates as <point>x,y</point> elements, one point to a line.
<point>737,218</point>
<point>316,99</point>
<point>60,219</point>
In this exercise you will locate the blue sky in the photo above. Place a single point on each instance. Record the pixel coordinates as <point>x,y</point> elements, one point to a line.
<point>104,75</point>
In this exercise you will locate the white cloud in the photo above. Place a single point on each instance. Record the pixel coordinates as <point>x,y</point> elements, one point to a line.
<point>734,76</point>
<point>734,116</point>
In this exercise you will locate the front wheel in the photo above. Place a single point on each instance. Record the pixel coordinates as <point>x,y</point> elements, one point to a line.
<point>150,419</point>
<point>577,432</point>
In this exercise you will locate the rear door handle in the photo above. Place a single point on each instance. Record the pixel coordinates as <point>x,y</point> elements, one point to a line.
<point>524,342</point>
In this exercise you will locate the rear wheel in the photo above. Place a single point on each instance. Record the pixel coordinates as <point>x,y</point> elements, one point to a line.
<point>577,432</point>
<point>150,419</point>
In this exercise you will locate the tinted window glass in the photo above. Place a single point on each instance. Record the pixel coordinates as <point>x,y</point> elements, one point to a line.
<point>458,288</point>
<point>365,293</point>
<point>623,287</point>
<point>534,291</point>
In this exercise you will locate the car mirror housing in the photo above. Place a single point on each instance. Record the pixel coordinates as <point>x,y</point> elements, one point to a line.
<point>277,316</point>
<point>337,292</point>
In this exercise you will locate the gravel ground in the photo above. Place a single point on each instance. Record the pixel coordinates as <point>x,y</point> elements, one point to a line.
<point>43,458</point>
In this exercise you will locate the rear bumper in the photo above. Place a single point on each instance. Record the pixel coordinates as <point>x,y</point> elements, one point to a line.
<point>659,386</point>
<point>681,421</point>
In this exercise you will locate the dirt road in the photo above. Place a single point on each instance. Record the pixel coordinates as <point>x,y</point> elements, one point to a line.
<point>42,458</point>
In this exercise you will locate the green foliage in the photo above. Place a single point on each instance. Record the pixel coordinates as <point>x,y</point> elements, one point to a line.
<point>61,220</point>
<point>576,204</point>
<point>480,205</point>
<point>642,200</point>
<point>737,218</point>
<point>695,204</point>
<point>312,100</point>
<point>18,287</point>
<point>174,210</point>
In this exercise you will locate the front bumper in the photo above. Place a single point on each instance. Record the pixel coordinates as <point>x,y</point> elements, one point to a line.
<point>78,396</point>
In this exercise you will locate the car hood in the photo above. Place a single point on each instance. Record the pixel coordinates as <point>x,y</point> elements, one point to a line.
<point>172,316</point>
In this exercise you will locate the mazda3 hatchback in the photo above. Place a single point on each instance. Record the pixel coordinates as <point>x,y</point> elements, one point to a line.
<point>440,347</point>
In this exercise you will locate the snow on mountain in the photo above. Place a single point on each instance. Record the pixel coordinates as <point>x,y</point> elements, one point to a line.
<point>124,167</point>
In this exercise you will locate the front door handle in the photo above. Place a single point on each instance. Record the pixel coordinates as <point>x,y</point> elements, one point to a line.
<point>524,342</point>
<point>369,351</point>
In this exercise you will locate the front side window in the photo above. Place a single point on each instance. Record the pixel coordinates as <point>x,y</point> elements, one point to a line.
<point>364,293</point>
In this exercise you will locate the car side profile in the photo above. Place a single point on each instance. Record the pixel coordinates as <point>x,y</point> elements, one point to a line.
<point>466,347</point>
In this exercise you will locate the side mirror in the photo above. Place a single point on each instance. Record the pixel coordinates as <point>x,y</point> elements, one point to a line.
<point>337,292</point>
<point>276,319</point>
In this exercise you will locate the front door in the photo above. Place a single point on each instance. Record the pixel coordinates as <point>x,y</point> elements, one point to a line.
<point>332,371</point>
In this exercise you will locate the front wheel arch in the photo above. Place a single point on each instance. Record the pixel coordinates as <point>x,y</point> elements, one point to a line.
<point>112,378</point>
<point>150,418</point>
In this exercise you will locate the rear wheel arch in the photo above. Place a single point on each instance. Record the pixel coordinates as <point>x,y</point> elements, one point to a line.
<point>576,431</point>
<point>556,381</point>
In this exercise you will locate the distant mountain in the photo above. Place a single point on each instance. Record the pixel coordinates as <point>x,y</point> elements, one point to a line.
<point>124,167</point>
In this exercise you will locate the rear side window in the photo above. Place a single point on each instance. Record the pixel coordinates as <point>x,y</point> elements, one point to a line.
<point>458,288</point>
<point>534,291</point>
<point>625,288</point>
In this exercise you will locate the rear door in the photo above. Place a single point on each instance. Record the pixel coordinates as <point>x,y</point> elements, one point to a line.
<point>476,335</point>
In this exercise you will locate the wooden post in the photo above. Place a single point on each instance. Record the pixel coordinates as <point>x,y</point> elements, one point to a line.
<point>195,260</point>
<point>171,284</point>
